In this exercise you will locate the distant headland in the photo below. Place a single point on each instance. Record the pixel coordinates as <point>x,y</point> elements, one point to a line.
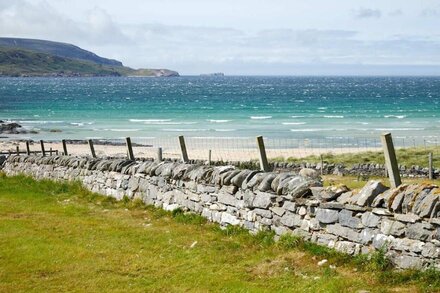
<point>32,57</point>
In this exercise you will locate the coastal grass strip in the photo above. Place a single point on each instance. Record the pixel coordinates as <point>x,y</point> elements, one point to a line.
<point>60,237</point>
<point>405,156</point>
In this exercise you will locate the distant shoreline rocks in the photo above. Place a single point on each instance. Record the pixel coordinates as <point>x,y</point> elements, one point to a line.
<point>214,74</point>
<point>13,128</point>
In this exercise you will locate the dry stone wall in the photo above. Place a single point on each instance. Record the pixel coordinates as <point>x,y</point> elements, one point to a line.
<point>405,221</point>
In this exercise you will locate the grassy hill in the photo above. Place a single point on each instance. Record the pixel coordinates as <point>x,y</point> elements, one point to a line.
<point>18,62</point>
<point>25,57</point>
<point>57,49</point>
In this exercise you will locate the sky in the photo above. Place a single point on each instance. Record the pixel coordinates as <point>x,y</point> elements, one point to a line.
<point>242,37</point>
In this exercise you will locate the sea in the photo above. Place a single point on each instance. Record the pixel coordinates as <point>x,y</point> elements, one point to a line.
<point>230,107</point>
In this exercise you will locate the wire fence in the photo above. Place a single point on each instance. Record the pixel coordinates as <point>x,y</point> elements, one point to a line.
<point>411,151</point>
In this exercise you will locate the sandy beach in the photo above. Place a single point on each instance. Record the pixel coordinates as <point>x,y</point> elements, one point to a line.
<point>170,151</point>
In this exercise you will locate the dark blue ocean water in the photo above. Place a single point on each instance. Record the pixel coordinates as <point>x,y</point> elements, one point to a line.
<point>275,107</point>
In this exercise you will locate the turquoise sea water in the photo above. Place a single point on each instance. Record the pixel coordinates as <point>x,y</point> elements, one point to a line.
<point>228,107</point>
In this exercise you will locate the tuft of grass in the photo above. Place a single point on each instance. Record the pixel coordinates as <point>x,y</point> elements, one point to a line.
<point>187,218</point>
<point>289,241</point>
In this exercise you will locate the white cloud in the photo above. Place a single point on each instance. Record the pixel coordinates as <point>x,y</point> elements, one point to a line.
<point>367,13</point>
<point>319,43</point>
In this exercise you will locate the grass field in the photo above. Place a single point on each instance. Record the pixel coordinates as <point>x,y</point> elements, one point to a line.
<point>58,237</point>
<point>405,156</point>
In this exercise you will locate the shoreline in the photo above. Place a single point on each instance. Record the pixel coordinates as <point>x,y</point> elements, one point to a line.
<point>111,148</point>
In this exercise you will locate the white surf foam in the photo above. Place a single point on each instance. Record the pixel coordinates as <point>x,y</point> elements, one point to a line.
<point>334,116</point>
<point>260,117</point>
<point>395,116</point>
<point>294,123</point>
<point>218,121</point>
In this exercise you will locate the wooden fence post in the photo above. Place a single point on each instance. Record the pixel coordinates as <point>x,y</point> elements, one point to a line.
<point>322,165</point>
<point>18,150</point>
<point>264,165</point>
<point>183,149</point>
<point>64,147</point>
<point>430,166</point>
<point>92,148</point>
<point>28,148</point>
<point>50,152</point>
<point>129,149</point>
<point>209,157</point>
<point>159,154</point>
<point>42,148</point>
<point>391,160</point>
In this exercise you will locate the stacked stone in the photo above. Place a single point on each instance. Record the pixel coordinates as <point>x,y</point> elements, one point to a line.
<point>405,221</point>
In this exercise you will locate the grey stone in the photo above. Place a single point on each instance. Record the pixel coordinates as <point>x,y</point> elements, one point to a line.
<point>279,178</point>
<point>240,177</point>
<point>278,210</point>
<point>407,218</point>
<point>291,220</point>
<point>231,189</point>
<point>227,218</point>
<point>345,197</point>
<point>405,244</point>
<point>390,227</point>
<point>332,205</point>
<point>370,220</point>
<point>396,205</point>
<point>381,212</point>
<point>408,262</point>
<point>263,213</point>
<point>309,173</point>
<point>344,232</point>
<point>262,200</point>
<point>201,188</point>
<point>265,184</point>
<point>326,216</point>
<point>418,231</point>
<point>431,251</point>
<point>369,192</point>
<point>418,201</point>
<point>427,204</point>
<point>381,241</point>
<point>346,219</point>
<point>290,206</point>
<point>355,208</point>
<point>347,247</point>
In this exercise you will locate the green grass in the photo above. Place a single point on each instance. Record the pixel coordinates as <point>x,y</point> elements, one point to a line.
<point>405,156</point>
<point>59,237</point>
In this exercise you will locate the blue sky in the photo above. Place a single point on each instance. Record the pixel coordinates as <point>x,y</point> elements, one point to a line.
<point>277,37</point>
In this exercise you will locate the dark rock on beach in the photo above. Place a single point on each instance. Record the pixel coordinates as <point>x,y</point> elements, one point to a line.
<point>11,128</point>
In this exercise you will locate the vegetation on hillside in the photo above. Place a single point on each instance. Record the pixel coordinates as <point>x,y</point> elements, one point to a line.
<point>56,48</point>
<point>60,237</point>
<point>17,62</point>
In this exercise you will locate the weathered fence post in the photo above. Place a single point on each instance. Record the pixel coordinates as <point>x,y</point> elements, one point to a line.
<point>18,150</point>
<point>64,147</point>
<point>129,149</point>
<point>264,165</point>
<point>209,157</point>
<point>430,166</point>
<point>391,160</point>
<point>50,151</point>
<point>183,149</point>
<point>322,165</point>
<point>92,148</point>
<point>159,154</point>
<point>28,148</point>
<point>43,152</point>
